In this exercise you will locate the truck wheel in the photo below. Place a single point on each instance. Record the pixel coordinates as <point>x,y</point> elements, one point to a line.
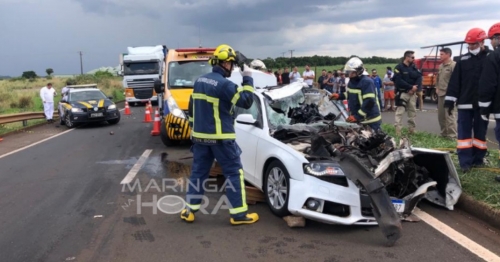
<point>434,96</point>
<point>164,136</point>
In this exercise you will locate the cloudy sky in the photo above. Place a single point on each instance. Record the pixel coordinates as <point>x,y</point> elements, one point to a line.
<point>38,34</point>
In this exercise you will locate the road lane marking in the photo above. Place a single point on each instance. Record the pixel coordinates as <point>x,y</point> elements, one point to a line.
<point>137,166</point>
<point>39,142</point>
<point>465,242</point>
<point>36,143</point>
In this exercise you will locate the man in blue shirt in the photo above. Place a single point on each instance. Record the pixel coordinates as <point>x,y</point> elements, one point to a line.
<point>378,84</point>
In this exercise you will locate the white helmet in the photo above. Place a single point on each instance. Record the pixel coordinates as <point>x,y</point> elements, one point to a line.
<point>257,64</point>
<point>354,65</point>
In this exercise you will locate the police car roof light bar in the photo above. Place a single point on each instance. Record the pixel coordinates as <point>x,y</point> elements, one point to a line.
<point>83,86</point>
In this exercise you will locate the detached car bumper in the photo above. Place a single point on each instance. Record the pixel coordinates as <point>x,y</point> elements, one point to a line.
<point>86,117</point>
<point>177,127</point>
<point>340,201</point>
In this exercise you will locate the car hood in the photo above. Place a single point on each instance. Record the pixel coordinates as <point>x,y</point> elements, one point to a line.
<point>99,103</point>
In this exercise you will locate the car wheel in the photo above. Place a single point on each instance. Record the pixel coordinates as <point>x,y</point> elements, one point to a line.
<point>164,135</point>
<point>277,188</point>
<point>434,96</point>
<point>67,121</point>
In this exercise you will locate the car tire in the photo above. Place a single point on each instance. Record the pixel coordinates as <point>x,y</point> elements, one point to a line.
<point>164,135</point>
<point>434,96</point>
<point>67,120</point>
<point>276,170</point>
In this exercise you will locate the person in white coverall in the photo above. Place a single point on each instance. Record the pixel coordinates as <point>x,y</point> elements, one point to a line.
<point>47,94</point>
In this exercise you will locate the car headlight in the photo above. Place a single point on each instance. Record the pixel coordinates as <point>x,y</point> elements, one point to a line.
<point>174,109</point>
<point>112,107</point>
<point>76,110</point>
<point>323,169</point>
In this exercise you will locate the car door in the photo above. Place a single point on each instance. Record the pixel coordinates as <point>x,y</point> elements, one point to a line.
<point>247,137</point>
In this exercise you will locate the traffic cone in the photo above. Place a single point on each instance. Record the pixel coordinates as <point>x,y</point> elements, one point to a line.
<point>127,109</point>
<point>147,116</point>
<point>156,124</point>
<point>346,105</point>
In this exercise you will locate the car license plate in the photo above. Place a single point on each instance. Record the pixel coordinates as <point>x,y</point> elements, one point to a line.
<point>96,114</point>
<point>399,205</point>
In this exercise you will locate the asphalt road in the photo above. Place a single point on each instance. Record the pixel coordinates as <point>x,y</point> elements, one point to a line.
<point>61,200</point>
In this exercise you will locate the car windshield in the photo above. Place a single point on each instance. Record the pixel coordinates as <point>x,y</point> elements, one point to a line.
<point>183,74</point>
<point>141,68</point>
<point>300,106</point>
<point>86,95</point>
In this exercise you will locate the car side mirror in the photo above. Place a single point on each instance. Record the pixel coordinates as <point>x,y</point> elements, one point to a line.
<point>159,86</point>
<point>110,97</point>
<point>246,119</point>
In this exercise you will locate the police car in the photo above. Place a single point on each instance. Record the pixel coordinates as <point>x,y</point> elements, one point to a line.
<point>86,103</point>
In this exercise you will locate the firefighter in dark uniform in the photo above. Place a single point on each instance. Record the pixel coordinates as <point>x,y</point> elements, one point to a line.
<point>213,135</point>
<point>489,84</point>
<point>463,90</point>
<point>362,96</point>
<point>408,81</point>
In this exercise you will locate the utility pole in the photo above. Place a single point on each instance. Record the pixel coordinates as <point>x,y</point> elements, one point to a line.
<point>199,35</point>
<point>81,63</point>
<point>283,54</point>
<point>291,53</point>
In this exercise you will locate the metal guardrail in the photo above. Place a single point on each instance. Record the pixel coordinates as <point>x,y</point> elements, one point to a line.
<point>24,117</point>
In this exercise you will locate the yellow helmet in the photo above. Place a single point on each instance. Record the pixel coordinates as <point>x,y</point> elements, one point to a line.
<point>223,53</point>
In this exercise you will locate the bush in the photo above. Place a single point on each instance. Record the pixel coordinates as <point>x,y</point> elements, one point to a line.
<point>25,102</point>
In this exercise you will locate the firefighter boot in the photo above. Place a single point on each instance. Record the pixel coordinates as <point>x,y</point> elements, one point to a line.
<point>248,219</point>
<point>187,215</point>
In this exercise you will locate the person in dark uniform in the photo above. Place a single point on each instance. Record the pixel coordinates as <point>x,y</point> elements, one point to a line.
<point>285,77</point>
<point>213,135</point>
<point>408,81</point>
<point>361,96</point>
<point>463,90</point>
<point>489,84</point>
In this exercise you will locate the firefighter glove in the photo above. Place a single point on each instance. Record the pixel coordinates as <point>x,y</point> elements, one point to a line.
<point>334,96</point>
<point>450,105</point>
<point>352,119</point>
<point>246,71</point>
<point>485,113</point>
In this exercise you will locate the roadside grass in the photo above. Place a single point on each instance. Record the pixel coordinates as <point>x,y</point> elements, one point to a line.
<point>480,183</point>
<point>19,95</point>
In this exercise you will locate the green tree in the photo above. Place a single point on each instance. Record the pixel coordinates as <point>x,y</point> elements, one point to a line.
<point>103,74</point>
<point>29,74</point>
<point>49,71</point>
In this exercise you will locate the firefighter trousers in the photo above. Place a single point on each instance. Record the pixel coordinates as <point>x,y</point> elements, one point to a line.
<point>471,144</point>
<point>227,154</point>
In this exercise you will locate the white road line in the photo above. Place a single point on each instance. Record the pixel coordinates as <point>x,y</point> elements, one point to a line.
<point>135,169</point>
<point>36,143</point>
<point>468,244</point>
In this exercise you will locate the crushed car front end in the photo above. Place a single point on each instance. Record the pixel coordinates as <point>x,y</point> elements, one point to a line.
<point>355,175</point>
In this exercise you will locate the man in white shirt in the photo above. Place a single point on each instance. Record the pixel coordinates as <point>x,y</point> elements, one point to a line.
<point>47,94</point>
<point>308,76</point>
<point>294,75</point>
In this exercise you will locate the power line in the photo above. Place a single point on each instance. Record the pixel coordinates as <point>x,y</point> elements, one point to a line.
<point>283,54</point>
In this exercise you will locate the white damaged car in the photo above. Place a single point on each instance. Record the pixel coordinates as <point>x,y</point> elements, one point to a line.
<point>298,149</point>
